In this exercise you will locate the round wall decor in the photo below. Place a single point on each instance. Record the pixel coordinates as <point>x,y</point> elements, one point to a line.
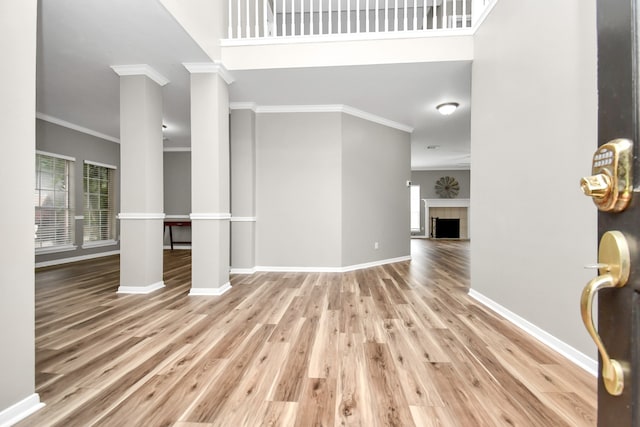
<point>447,187</point>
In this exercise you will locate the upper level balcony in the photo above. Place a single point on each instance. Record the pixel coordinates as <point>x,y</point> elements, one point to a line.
<point>348,32</point>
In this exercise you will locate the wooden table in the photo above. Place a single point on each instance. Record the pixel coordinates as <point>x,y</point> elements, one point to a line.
<point>172,224</point>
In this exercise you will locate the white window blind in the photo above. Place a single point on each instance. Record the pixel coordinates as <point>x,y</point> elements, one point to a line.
<point>415,208</point>
<point>53,201</point>
<point>99,206</point>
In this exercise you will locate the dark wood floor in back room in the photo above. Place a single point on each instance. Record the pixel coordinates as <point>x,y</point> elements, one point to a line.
<point>396,345</point>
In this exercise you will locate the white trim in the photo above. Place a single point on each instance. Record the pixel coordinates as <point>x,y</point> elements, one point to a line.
<point>176,149</point>
<point>441,168</point>
<point>210,291</point>
<point>325,38</point>
<point>333,108</point>
<point>177,216</point>
<point>243,106</point>
<point>140,289</point>
<point>64,123</point>
<point>375,263</point>
<point>99,244</point>
<point>57,156</point>
<point>345,269</point>
<point>75,259</point>
<point>210,215</point>
<point>20,410</point>
<point>78,217</point>
<point>582,360</point>
<point>447,203</point>
<point>177,247</point>
<point>376,119</point>
<point>242,270</point>
<point>215,67</point>
<point>103,165</point>
<point>483,16</point>
<point>140,70</point>
<point>139,215</point>
<point>55,249</point>
<point>243,219</point>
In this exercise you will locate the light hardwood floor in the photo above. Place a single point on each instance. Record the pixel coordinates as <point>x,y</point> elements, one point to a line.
<point>397,345</point>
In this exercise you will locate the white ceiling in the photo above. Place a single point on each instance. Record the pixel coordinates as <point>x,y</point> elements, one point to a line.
<point>80,39</point>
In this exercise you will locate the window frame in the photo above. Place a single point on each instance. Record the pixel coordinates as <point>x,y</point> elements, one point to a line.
<point>110,211</point>
<point>69,243</point>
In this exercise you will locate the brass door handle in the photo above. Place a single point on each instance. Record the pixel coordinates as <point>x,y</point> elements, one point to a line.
<point>614,268</point>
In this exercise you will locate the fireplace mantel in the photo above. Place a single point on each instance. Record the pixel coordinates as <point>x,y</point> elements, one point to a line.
<point>446,203</point>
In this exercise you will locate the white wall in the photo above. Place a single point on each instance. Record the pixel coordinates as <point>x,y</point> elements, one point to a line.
<point>17,118</point>
<point>533,131</point>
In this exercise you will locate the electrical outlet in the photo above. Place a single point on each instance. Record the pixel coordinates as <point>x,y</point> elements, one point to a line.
<point>376,245</point>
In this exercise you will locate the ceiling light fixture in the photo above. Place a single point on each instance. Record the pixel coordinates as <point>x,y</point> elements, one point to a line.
<point>447,108</point>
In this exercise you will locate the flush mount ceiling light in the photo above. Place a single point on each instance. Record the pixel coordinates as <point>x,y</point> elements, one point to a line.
<point>447,108</point>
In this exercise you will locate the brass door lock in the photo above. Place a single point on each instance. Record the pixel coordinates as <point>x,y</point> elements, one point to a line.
<point>614,268</point>
<point>611,182</point>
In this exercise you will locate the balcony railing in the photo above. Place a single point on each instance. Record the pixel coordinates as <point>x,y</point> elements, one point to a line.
<point>278,19</point>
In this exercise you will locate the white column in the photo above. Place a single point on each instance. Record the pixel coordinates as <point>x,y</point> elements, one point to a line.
<point>141,179</point>
<point>243,184</point>
<point>209,179</point>
<point>18,398</point>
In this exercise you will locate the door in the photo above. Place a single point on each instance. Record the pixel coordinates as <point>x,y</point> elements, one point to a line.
<point>619,307</point>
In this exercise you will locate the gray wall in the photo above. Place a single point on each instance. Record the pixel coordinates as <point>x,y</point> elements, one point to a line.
<point>427,181</point>
<point>177,192</point>
<point>533,132</point>
<point>298,189</point>
<point>18,94</point>
<point>376,164</point>
<point>243,188</point>
<point>56,139</point>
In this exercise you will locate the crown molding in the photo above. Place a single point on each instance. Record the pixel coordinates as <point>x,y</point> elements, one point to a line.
<point>333,108</point>
<point>73,126</point>
<point>243,106</point>
<point>210,67</point>
<point>140,70</point>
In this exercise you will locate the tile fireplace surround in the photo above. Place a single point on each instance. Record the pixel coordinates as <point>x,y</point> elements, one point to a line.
<point>448,208</point>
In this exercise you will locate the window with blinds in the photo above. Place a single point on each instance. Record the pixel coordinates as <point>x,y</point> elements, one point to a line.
<point>54,218</point>
<point>99,206</point>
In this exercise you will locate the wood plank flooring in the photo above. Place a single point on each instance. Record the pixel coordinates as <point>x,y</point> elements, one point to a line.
<point>396,345</point>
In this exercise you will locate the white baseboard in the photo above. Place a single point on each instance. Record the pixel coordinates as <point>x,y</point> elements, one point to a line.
<point>278,269</point>
<point>75,259</point>
<point>20,410</point>
<point>177,247</point>
<point>141,289</point>
<point>243,270</point>
<point>210,291</point>
<point>582,360</point>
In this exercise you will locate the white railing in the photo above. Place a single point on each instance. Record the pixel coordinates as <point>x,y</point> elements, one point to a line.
<point>257,19</point>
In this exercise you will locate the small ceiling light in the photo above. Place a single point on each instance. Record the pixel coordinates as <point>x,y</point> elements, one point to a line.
<point>447,108</point>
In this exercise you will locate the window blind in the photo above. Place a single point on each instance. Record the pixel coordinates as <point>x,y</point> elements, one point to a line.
<point>99,206</point>
<point>53,202</point>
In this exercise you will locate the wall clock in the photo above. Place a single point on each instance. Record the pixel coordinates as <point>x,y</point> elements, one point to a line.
<point>447,187</point>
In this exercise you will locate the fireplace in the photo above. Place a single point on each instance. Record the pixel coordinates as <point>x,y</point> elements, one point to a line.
<point>445,228</point>
<point>447,209</point>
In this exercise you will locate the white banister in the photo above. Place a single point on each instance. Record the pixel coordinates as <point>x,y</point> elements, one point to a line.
<point>255,19</point>
<point>348,16</point>
<point>395,16</point>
